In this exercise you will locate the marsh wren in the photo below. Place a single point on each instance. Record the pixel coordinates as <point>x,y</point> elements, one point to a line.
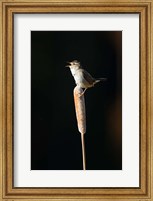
<point>82,78</point>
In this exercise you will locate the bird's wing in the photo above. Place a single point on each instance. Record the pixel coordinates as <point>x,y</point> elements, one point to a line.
<point>87,77</point>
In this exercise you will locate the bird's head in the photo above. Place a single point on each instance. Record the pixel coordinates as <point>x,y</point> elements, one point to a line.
<point>73,64</point>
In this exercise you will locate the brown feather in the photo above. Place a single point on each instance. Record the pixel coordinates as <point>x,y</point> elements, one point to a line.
<point>88,77</point>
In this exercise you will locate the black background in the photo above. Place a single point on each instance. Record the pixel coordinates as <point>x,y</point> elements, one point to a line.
<point>55,140</point>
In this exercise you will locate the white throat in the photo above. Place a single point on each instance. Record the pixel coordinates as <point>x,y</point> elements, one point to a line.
<point>73,70</point>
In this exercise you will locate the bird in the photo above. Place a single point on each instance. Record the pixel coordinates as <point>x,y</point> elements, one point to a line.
<point>82,78</point>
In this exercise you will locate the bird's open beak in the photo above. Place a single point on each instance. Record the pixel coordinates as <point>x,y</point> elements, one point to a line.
<point>69,64</point>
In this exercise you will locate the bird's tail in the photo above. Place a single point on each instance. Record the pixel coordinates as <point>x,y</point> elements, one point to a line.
<point>100,79</point>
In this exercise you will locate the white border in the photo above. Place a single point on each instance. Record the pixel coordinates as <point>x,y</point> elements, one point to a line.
<point>129,176</point>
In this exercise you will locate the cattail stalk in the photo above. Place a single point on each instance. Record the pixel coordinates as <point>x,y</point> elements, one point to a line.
<point>83,152</point>
<point>81,118</point>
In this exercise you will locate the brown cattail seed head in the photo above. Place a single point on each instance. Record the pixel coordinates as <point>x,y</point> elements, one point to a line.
<point>80,109</point>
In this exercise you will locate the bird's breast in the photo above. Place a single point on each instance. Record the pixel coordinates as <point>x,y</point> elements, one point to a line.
<point>80,80</point>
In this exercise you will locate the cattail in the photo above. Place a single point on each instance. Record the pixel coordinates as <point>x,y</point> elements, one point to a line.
<point>81,117</point>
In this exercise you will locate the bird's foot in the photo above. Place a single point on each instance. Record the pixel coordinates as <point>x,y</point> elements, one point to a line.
<point>82,93</point>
